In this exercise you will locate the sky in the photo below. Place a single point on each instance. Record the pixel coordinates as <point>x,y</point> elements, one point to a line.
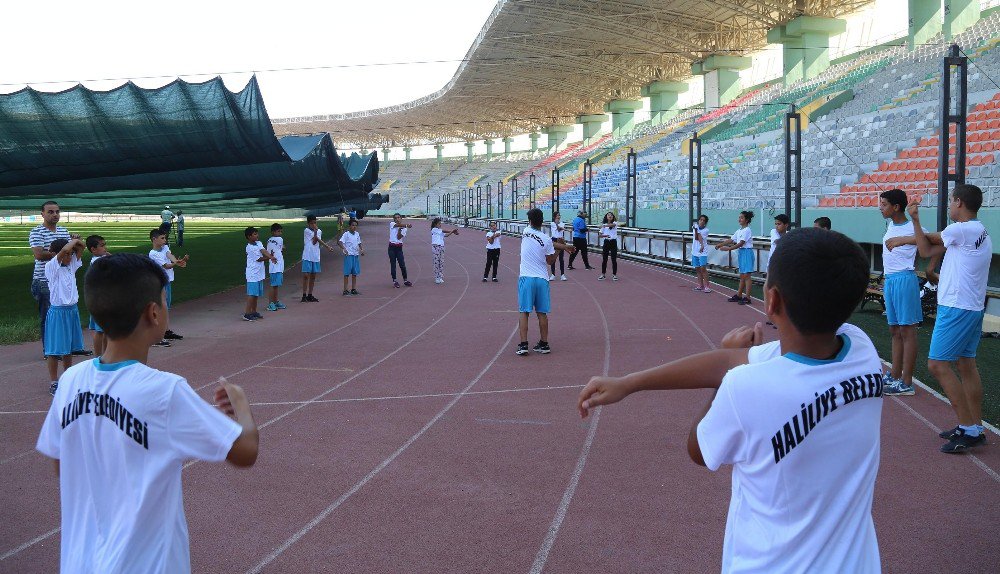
<point>374,53</point>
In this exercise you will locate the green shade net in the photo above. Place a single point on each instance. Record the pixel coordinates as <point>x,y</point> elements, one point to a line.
<point>196,146</point>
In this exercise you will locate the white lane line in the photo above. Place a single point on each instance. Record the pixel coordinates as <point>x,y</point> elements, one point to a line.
<point>381,466</point>
<point>332,370</point>
<point>567,498</point>
<point>513,422</point>
<point>421,396</point>
<point>29,544</point>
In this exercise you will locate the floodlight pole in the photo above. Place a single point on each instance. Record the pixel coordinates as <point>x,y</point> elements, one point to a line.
<point>694,178</point>
<point>631,193</point>
<point>588,187</point>
<point>555,189</point>
<point>953,113</point>
<point>793,166</point>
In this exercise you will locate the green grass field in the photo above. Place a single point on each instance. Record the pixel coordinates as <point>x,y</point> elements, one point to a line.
<point>217,263</point>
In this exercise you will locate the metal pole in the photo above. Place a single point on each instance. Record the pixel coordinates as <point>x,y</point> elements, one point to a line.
<point>513,198</point>
<point>631,174</point>
<point>489,201</point>
<point>694,177</point>
<point>952,114</point>
<point>555,189</point>
<point>531,190</point>
<point>500,199</point>
<point>479,201</point>
<point>793,166</point>
<point>588,187</point>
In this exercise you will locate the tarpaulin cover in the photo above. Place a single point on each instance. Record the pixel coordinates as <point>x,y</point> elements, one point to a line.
<point>197,146</point>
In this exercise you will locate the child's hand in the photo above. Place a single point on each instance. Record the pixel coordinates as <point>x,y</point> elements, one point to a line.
<point>744,337</point>
<point>893,242</point>
<point>914,210</point>
<point>226,394</point>
<point>186,257</point>
<point>600,391</point>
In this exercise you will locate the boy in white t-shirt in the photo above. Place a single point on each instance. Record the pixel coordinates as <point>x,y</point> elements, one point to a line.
<point>492,251</point>
<point>120,431</point>
<point>276,266</point>
<point>699,253</point>
<point>967,249</point>
<point>162,255</point>
<point>62,320</point>
<point>777,418</point>
<point>98,248</point>
<point>781,224</point>
<point>350,245</point>
<point>537,254</point>
<point>256,254</point>
<point>312,239</point>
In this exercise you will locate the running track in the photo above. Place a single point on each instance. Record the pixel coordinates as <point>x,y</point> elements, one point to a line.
<point>400,433</point>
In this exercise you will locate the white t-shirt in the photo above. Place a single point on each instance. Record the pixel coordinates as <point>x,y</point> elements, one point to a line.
<point>393,232</point>
<point>902,257</point>
<point>744,234</point>
<point>121,433</point>
<point>310,252</point>
<point>62,281</point>
<point>535,245</point>
<point>775,238</point>
<point>699,248</point>
<point>803,438</point>
<point>556,230</point>
<point>495,235</point>
<point>768,351</point>
<point>437,236</point>
<point>161,258</point>
<point>276,246</point>
<point>352,242</point>
<point>609,232</point>
<point>966,266</point>
<point>255,269</point>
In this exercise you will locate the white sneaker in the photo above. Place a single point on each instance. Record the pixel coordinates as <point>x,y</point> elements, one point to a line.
<point>601,278</point>
<point>562,277</point>
<point>439,280</point>
<point>614,278</point>
<point>552,277</point>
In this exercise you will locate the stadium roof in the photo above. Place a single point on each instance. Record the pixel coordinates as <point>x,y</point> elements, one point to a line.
<point>542,62</point>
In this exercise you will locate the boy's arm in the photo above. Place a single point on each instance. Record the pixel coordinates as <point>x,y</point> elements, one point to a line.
<point>233,401</point>
<point>67,251</point>
<point>928,244</point>
<point>894,242</point>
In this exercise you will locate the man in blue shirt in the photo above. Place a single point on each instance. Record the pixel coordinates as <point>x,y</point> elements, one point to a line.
<point>580,239</point>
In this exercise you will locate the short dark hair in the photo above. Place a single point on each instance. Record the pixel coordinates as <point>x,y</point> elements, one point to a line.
<point>748,215</point>
<point>895,197</point>
<point>310,218</point>
<point>352,222</point>
<point>781,217</point>
<point>57,245</point>
<point>249,231</point>
<point>93,241</point>
<point>824,222</point>
<point>156,233</point>
<point>970,195</point>
<point>117,289</point>
<point>435,222</point>
<point>555,214</point>
<point>821,275</point>
<point>50,202</point>
<point>276,227</point>
<point>705,216</point>
<point>535,217</point>
<point>394,215</point>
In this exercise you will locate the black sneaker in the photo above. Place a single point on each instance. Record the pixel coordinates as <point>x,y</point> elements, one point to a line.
<point>52,387</point>
<point>485,280</point>
<point>950,433</point>
<point>495,280</point>
<point>257,315</point>
<point>522,348</point>
<point>249,317</point>
<point>82,352</point>
<point>744,301</point>
<point>305,299</point>
<point>346,292</point>
<point>311,299</point>
<point>166,343</point>
<point>542,347</point>
<point>963,442</point>
<point>735,299</point>
<point>173,336</point>
<point>355,292</point>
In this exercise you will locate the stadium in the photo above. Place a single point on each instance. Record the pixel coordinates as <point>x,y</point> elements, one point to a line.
<point>399,432</point>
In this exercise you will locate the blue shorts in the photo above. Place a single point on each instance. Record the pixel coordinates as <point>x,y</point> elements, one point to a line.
<point>93,326</point>
<point>747,261</point>
<point>352,265</point>
<point>170,293</point>
<point>63,334</point>
<point>699,260</point>
<point>276,279</point>
<point>533,295</point>
<point>310,266</point>
<point>956,333</point>
<point>902,298</point>
<point>255,288</point>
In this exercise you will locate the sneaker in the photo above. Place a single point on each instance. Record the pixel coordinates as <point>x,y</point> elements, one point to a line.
<point>571,267</point>
<point>897,388</point>
<point>257,315</point>
<point>305,299</point>
<point>407,283</point>
<point>542,348</point>
<point>963,442</point>
<point>697,288</point>
<point>82,353</point>
<point>614,278</point>
<point>355,292</point>
<point>170,335</point>
<point>522,348</point>
<point>562,277</point>
<point>346,292</point>
<point>439,281</point>
<point>745,301</point>
<point>552,277</point>
<point>272,307</point>
<point>588,267</point>
<point>706,290</point>
<point>735,299</point>
<point>166,343</point>
<point>311,299</point>
<point>495,280</point>
<point>52,387</point>
<point>279,305</point>
<point>947,434</point>
<point>600,278</point>
<point>395,284</point>
<point>485,280</point>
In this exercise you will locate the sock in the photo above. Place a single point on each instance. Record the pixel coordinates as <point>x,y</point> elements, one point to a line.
<point>971,430</point>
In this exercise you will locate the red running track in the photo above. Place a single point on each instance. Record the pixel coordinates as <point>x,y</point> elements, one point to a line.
<point>400,433</point>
